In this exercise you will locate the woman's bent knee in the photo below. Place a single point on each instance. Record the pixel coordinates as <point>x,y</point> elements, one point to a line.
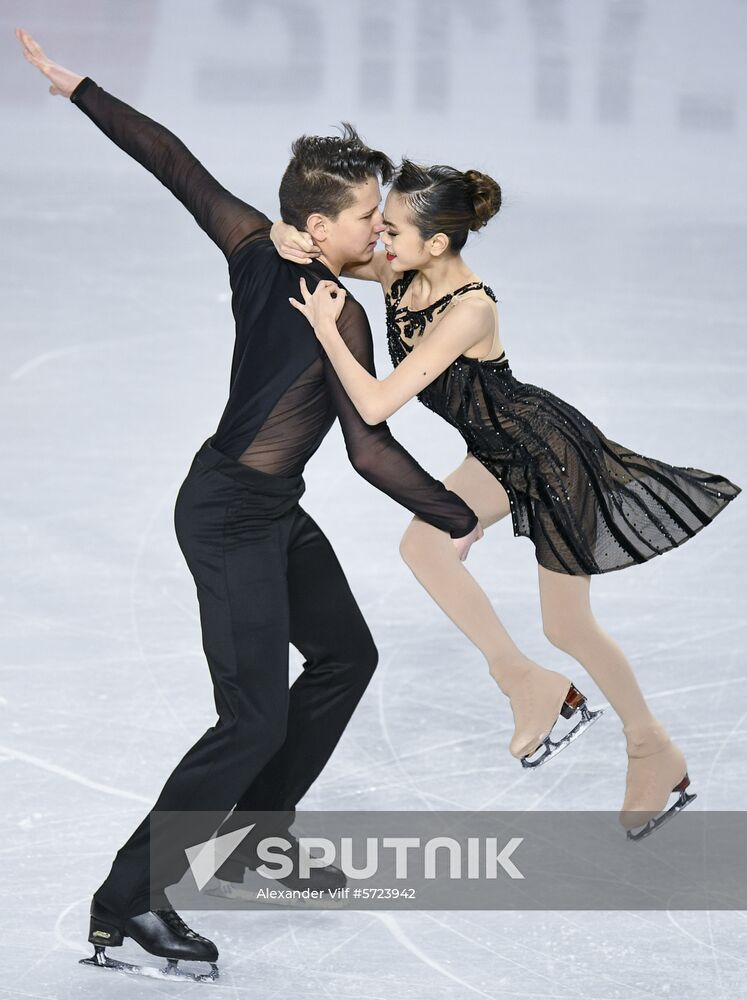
<point>567,634</point>
<point>415,542</point>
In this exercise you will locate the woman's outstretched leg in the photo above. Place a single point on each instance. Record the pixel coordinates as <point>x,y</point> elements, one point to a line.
<point>655,764</point>
<point>569,624</point>
<point>536,694</point>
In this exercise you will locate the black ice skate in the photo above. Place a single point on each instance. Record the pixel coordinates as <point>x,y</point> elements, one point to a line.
<point>160,932</point>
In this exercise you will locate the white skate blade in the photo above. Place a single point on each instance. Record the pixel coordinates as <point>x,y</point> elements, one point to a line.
<point>169,972</point>
<point>551,748</point>
<point>653,824</point>
<point>249,891</point>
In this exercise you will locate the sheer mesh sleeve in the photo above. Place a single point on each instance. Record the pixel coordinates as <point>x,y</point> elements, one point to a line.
<point>374,453</point>
<point>227,220</point>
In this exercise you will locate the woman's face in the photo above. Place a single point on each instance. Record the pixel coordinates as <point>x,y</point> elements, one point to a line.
<point>406,249</point>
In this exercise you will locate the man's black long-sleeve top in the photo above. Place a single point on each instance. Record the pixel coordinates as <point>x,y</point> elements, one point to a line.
<point>284,393</point>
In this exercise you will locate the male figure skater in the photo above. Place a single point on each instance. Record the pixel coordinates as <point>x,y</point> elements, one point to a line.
<point>265,573</point>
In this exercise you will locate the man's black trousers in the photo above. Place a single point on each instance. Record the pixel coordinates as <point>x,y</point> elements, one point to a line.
<point>266,576</point>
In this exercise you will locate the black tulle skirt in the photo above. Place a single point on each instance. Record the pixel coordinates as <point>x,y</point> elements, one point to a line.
<point>589,504</point>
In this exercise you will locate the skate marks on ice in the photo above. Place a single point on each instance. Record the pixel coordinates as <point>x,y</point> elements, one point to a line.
<point>514,957</point>
<point>407,766</point>
<point>64,772</point>
<point>64,352</point>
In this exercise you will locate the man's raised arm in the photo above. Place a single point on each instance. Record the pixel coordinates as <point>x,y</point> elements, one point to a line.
<point>227,220</point>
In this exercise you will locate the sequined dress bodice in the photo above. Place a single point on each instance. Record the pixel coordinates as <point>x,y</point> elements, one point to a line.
<point>462,393</point>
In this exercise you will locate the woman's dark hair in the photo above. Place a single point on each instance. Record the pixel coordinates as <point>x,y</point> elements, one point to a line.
<point>442,199</point>
<point>323,171</point>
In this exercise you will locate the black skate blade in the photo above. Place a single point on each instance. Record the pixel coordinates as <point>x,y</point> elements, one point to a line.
<point>684,800</point>
<point>551,748</point>
<point>168,972</point>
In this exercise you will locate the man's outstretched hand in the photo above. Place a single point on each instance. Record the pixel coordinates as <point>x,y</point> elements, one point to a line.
<point>462,545</point>
<point>62,81</point>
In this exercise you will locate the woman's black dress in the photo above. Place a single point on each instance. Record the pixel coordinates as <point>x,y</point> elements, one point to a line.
<point>588,504</point>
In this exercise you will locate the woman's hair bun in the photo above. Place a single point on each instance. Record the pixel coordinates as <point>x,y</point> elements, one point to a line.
<point>486,197</point>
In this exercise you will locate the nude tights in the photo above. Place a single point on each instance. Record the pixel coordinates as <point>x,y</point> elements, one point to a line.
<point>567,618</point>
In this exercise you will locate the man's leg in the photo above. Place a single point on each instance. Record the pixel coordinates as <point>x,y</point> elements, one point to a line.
<point>328,629</point>
<point>237,557</point>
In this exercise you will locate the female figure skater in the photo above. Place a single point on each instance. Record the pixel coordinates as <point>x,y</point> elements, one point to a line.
<point>589,505</point>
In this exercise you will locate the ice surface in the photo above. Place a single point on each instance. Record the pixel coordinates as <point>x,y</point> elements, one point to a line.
<point>617,131</point>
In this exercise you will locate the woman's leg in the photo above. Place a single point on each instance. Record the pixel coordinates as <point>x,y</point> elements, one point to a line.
<point>537,695</point>
<point>569,624</point>
<point>656,765</point>
<point>432,558</point>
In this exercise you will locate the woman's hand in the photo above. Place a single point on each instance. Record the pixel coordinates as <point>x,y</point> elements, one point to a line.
<point>323,308</point>
<point>462,545</point>
<point>292,244</point>
<point>62,80</point>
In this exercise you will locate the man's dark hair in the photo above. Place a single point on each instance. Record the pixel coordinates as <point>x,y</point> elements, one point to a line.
<point>323,171</point>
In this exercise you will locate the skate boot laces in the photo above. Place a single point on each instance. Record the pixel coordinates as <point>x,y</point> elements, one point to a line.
<point>175,922</point>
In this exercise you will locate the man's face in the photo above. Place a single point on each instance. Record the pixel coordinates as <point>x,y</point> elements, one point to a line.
<point>351,238</point>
